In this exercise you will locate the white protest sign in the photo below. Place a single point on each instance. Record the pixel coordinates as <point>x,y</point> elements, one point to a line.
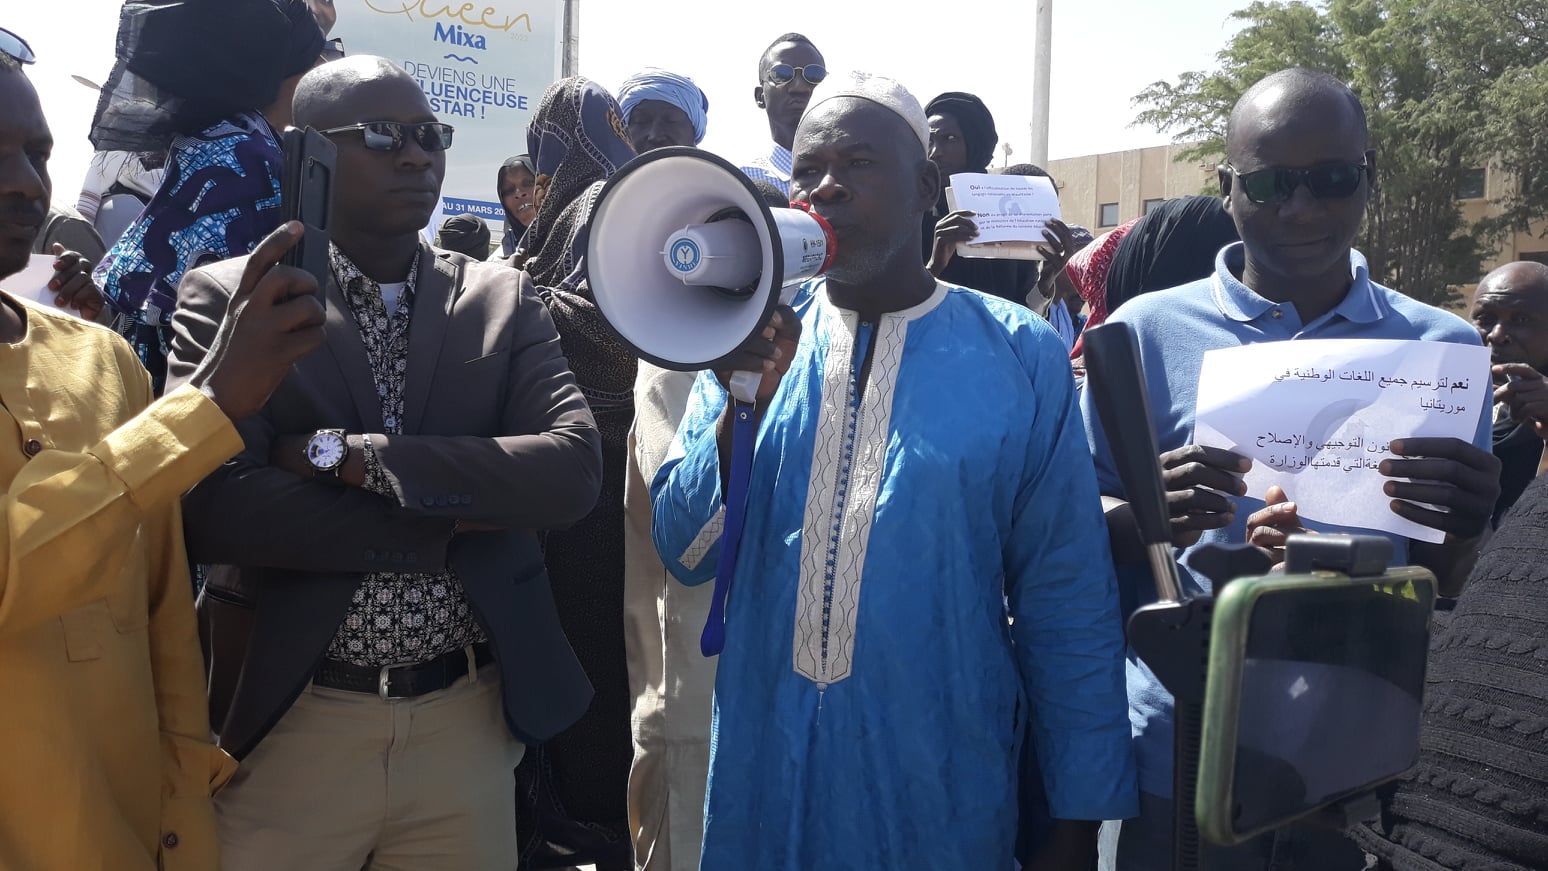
<point>31,283</point>
<point>1006,208</point>
<point>483,66</point>
<point>1317,417</point>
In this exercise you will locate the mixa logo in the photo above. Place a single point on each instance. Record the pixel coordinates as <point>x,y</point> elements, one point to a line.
<point>457,36</point>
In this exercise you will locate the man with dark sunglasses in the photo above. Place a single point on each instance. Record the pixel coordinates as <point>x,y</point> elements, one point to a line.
<point>1296,182</point>
<point>383,640</point>
<point>788,70</point>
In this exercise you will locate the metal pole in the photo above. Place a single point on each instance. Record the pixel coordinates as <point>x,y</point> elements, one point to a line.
<point>1042,70</point>
<point>569,65</point>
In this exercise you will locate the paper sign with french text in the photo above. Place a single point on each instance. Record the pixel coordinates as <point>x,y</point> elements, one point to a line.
<point>1006,208</point>
<point>1317,417</point>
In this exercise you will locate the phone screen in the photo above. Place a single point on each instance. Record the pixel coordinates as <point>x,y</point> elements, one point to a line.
<point>1332,683</point>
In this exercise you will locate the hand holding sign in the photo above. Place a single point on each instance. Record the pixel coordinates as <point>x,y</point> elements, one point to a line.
<point>1460,480</point>
<point>1009,213</point>
<point>1331,422</point>
<point>957,228</point>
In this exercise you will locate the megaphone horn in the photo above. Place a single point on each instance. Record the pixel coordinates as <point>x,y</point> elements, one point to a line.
<point>686,261</point>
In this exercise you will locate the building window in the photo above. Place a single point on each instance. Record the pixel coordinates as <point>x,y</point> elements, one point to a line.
<point>1108,215</point>
<point>1471,185</point>
<point>1534,256</point>
<point>1152,205</point>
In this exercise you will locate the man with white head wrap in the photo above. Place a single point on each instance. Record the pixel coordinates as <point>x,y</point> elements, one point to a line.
<point>670,682</point>
<point>661,108</point>
<point>880,727</point>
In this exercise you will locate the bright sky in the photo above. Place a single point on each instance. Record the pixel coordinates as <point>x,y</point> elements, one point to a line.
<point>1104,53</point>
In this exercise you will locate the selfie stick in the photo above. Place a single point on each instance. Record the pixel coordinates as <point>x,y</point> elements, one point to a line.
<point>1171,635</point>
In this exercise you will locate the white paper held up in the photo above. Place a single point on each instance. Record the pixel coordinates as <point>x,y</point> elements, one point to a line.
<point>1006,208</point>
<point>31,283</point>
<point>1317,417</point>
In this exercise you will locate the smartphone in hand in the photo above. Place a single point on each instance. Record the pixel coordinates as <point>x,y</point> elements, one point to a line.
<point>307,196</point>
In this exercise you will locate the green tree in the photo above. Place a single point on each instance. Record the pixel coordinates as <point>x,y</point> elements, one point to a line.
<point>1449,85</point>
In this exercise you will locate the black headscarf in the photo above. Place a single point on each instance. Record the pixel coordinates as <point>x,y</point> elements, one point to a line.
<point>186,64</point>
<point>577,141</point>
<point>509,237</point>
<point>465,234</point>
<point>1175,244</point>
<point>976,123</point>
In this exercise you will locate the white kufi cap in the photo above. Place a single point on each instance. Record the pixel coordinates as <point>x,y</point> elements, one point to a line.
<point>878,89</point>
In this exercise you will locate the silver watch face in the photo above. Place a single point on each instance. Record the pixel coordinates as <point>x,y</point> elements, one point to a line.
<point>326,451</point>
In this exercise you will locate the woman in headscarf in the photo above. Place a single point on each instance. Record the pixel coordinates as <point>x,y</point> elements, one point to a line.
<point>213,83</point>
<point>1175,244</point>
<point>514,183</point>
<point>572,800</point>
<point>1087,270</point>
<point>465,234</point>
<point>661,109</point>
<point>962,139</point>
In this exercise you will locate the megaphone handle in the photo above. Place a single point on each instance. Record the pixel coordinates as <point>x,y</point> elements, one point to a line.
<point>743,434</point>
<point>744,386</point>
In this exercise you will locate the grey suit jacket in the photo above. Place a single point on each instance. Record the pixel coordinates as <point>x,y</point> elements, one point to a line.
<point>494,431</point>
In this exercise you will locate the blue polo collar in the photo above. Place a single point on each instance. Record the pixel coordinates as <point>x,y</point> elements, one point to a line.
<point>1362,305</point>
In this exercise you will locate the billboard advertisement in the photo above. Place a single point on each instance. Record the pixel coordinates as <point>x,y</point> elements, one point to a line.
<point>483,65</point>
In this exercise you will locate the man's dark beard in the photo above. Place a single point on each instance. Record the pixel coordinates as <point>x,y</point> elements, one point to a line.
<point>861,266</point>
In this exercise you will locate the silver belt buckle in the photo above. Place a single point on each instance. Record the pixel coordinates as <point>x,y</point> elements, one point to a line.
<point>383,678</point>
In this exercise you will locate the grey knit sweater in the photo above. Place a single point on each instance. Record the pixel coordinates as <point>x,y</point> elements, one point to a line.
<point>1479,796</point>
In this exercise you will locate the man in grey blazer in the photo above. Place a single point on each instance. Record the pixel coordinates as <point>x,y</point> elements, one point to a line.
<point>380,632</point>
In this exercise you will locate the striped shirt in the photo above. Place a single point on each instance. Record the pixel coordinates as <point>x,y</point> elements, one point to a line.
<point>773,168</point>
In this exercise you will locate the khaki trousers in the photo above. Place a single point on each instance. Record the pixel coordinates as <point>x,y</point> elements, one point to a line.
<point>347,781</point>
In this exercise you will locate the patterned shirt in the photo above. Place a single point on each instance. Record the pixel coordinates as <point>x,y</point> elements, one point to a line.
<point>773,168</point>
<point>219,198</point>
<point>395,617</point>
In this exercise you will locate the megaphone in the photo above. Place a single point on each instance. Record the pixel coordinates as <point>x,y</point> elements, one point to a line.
<point>686,261</point>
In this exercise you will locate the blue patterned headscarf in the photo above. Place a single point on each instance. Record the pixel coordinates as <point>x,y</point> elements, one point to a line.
<point>577,141</point>
<point>653,83</point>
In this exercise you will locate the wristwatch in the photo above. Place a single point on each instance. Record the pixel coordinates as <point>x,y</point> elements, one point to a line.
<point>326,451</point>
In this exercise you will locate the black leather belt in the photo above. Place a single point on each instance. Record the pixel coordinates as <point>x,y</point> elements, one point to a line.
<point>401,681</point>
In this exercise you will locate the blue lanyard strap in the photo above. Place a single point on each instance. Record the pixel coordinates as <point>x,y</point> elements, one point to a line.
<point>743,434</point>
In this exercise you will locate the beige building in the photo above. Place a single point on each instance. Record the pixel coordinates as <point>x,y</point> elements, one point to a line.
<point>1102,191</point>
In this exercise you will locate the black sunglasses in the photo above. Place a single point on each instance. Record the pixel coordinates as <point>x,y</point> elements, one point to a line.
<point>393,135</point>
<point>1331,181</point>
<point>16,47</point>
<point>784,74</point>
